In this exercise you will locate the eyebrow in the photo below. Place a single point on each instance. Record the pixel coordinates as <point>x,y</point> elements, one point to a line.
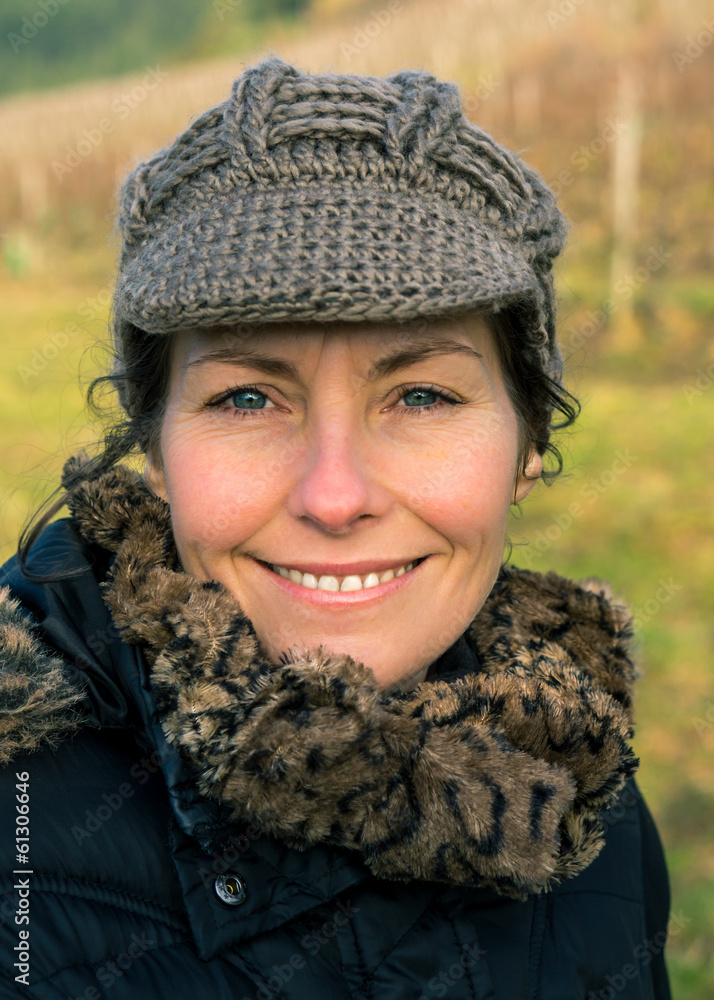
<point>383,367</point>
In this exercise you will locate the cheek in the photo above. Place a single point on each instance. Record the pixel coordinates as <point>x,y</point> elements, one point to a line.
<point>218,498</point>
<point>466,492</point>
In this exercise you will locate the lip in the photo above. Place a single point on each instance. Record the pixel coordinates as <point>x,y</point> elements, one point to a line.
<point>343,598</point>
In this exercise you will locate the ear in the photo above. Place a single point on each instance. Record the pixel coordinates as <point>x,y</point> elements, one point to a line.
<point>154,476</point>
<point>525,483</point>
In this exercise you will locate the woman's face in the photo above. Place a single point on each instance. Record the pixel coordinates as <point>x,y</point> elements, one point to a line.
<point>343,452</point>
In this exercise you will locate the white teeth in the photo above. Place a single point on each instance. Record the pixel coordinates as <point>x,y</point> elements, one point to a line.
<point>332,582</point>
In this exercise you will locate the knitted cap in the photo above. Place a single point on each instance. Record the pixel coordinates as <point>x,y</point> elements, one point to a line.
<point>324,197</point>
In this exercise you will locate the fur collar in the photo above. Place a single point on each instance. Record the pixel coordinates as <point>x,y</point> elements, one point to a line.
<point>496,779</point>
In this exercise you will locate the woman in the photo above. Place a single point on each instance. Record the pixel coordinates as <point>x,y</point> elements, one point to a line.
<point>288,725</point>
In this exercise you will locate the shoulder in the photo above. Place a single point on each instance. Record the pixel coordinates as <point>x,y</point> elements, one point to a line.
<point>38,699</point>
<point>56,639</point>
<point>62,561</point>
<point>598,934</point>
<point>89,797</point>
<point>614,913</point>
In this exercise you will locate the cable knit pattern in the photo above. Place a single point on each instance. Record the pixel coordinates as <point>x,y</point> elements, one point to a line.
<point>328,197</point>
<point>494,779</point>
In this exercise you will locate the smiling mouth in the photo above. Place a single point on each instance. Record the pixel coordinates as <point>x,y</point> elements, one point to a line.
<point>342,584</point>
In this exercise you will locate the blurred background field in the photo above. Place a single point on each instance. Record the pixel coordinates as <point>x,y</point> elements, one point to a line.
<point>612,102</point>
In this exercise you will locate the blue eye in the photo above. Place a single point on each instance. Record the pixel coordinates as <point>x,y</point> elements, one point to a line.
<point>255,398</point>
<point>442,399</point>
<point>241,401</point>
<point>422,391</point>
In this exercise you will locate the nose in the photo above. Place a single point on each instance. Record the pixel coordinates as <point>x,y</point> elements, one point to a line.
<point>337,487</point>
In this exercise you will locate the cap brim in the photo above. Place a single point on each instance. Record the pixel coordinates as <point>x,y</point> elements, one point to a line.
<point>338,251</point>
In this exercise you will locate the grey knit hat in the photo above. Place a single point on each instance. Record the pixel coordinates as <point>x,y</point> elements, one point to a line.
<point>327,197</point>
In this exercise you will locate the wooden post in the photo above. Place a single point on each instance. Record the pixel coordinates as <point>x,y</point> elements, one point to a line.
<point>625,204</point>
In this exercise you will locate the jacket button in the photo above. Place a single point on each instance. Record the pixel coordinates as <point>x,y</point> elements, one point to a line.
<point>230,889</point>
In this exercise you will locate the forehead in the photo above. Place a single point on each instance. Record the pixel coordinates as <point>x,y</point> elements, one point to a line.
<point>459,336</point>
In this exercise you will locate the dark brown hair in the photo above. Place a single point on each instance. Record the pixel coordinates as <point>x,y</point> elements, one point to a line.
<point>542,404</point>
